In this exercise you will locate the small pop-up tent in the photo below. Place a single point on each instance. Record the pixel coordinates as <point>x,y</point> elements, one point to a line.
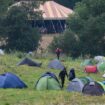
<point>101,66</point>
<point>77,84</point>
<point>50,74</point>
<point>93,88</point>
<point>29,62</point>
<point>99,58</point>
<point>87,62</point>
<point>10,80</point>
<point>86,79</point>
<point>48,81</point>
<point>56,64</point>
<point>102,84</point>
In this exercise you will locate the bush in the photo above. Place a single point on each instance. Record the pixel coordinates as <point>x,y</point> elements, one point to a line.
<point>20,35</point>
<point>68,42</point>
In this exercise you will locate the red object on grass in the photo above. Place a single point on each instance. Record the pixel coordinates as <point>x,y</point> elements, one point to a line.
<point>91,69</point>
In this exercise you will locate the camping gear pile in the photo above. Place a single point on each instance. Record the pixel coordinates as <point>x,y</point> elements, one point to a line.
<point>94,65</point>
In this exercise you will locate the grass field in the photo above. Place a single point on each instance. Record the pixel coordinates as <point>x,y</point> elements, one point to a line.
<point>30,75</point>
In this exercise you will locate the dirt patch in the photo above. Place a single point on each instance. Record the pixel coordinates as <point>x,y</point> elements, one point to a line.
<point>46,40</point>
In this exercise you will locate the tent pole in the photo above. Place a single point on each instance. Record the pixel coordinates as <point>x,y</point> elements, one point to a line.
<point>61,25</point>
<point>44,25</point>
<point>53,26</point>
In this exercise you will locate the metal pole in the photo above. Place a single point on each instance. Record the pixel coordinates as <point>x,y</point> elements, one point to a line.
<point>53,26</point>
<point>61,25</point>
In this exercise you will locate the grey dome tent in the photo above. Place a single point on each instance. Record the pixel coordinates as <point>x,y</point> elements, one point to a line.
<point>48,81</point>
<point>10,80</point>
<point>29,62</point>
<point>56,64</point>
<point>93,88</point>
<point>77,84</point>
<point>87,62</point>
<point>99,58</point>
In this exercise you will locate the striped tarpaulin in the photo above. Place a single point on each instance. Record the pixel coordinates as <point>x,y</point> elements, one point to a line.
<point>53,10</point>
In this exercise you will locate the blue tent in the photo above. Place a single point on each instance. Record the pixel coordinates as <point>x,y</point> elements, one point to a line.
<point>9,80</point>
<point>56,64</point>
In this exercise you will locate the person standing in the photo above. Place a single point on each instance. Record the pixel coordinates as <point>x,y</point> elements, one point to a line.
<point>62,75</point>
<point>72,74</point>
<point>58,52</point>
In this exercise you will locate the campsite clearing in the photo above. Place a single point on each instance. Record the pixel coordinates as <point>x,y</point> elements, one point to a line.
<point>30,75</point>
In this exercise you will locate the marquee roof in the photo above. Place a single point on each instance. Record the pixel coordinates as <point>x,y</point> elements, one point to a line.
<point>53,10</point>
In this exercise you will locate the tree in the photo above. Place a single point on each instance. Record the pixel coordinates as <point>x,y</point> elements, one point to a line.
<point>68,3</point>
<point>88,24</point>
<point>68,42</point>
<point>20,35</point>
<point>4,6</point>
<point>18,32</point>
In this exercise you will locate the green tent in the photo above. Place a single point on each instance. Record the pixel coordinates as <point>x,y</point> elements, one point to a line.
<point>102,84</point>
<point>87,62</point>
<point>101,66</point>
<point>85,80</point>
<point>47,83</point>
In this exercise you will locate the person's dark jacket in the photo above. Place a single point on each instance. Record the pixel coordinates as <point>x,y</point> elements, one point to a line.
<point>72,74</point>
<point>62,75</point>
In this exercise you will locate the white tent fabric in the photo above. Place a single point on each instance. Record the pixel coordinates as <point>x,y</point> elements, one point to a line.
<point>1,52</point>
<point>99,58</point>
<point>103,75</point>
<point>52,10</point>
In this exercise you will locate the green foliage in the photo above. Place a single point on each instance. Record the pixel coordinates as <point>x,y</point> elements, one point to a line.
<point>16,29</point>
<point>68,43</point>
<point>57,42</point>
<point>19,33</point>
<point>68,3</point>
<point>91,20</point>
<point>4,6</point>
<point>3,9</point>
<point>88,24</point>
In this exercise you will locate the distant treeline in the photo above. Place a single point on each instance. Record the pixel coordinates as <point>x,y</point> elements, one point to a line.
<point>68,3</point>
